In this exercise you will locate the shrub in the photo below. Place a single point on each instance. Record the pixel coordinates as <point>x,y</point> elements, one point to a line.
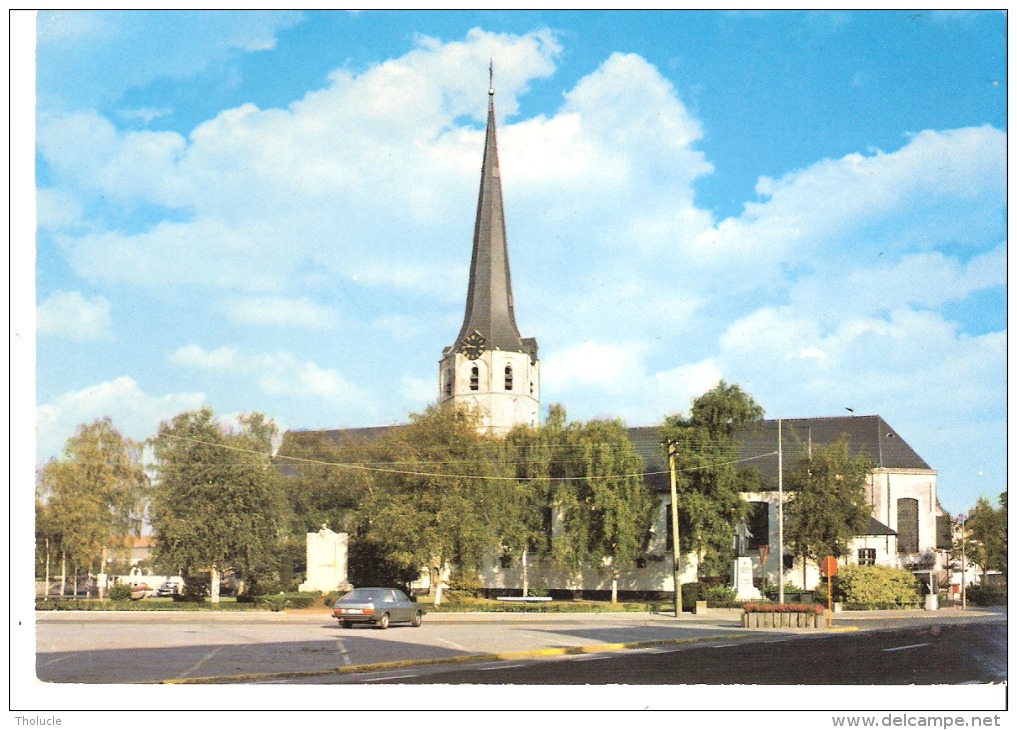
<point>718,594</point>
<point>119,592</point>
<point>332,596</point>
<point>987,595</point>
<point>299,599</point>
<point>691,592</point>
<point>279,601</point>
<point>275,602</point>
<point>875,585</point>
<point>464,583</point>
<point>196,588</point>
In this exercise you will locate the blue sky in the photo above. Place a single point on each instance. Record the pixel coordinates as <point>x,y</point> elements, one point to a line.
<point>273,212</point>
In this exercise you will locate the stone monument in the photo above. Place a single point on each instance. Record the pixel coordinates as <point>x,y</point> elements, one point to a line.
<point>326,561</point>
<point>741,572</point>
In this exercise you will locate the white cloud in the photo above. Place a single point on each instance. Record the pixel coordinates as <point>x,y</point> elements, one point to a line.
<point>194,356</point>
<point>618,375</point>
<point>416,392</point>
<point>876,364</point>
<point>941,185</point>
<point>264,195</point>
<point>56,209</point>
<point>609,368</point>
<point>278,311</point>
<point>274,374</point>
<point>71,316</point>
<point>135,413</point>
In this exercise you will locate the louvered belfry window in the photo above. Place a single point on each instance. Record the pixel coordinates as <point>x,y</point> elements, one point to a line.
<point>508,377</point>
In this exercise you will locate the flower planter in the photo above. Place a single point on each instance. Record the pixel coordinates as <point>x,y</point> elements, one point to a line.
<point>792,617</point>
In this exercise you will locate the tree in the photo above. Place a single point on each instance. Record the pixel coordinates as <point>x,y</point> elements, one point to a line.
<point>707,479</point>
<point>90,500</point>
<point>217,502</point>
<point>596,487</point>
<point>827,505</point>
<point>322,484</point>
<point>443,499</point>
<point>986,533</point>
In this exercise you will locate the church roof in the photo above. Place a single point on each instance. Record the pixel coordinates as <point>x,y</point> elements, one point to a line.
<point>868,436</point>
<point>489,306</point>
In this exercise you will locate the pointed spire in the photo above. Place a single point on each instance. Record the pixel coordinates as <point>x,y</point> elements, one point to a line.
<point>489,308</point>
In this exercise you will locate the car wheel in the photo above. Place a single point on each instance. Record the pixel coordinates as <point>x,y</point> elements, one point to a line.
<point>346,624</point>
<point>417,618</point>
<point>383,621</point>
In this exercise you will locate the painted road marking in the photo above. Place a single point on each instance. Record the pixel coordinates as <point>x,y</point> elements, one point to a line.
<point>909,646</point>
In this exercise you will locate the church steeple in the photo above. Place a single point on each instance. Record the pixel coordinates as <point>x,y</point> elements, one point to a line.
<point>489,306</point>
<point>490,366</point>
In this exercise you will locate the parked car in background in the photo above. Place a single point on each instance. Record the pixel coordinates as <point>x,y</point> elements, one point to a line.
<point>378,606</point>
<point>169,588</point>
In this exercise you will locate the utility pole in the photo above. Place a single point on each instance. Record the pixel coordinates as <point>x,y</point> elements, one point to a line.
<point>964,567</point>
<point>780,510</point>
<point>674,535</point>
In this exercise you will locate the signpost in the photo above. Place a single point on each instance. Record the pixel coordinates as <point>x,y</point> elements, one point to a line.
<point>828,566</point>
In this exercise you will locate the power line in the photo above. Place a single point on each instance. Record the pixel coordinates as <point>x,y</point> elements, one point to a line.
<point>406,472</point>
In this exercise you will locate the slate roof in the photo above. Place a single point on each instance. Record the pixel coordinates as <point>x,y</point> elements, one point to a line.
<point>489,304</point>
<point>869,436</point>
<point>875,527</point>
<point>334,436</point>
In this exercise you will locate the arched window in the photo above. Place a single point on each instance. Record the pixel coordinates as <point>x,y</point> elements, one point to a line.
<point>474,378</point>
<point>508,377</point>
<point>448,383</point>
<point>907,525</point>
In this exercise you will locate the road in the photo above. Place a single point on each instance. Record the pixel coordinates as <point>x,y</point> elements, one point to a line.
<point>533,649</point>
<point>951,654</point>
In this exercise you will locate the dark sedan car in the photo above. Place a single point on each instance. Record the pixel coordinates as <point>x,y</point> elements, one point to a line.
<point>378,606</point>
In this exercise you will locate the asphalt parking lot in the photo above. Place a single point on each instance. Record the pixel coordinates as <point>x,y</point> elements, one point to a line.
<point>150,647</point>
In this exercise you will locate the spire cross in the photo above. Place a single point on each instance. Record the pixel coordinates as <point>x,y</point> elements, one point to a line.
<point>490,78</point>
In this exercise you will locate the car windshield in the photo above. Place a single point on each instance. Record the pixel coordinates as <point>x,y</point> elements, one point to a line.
<point>361,595</point>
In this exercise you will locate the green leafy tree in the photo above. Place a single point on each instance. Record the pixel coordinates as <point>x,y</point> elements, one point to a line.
<point>987,535</point>
<point>708,481</point>
<point>217,502</point>
<point>596,488</point>
<point>527,455</point>
<point>323,483</point>
<point>827,506</point>
<point>443,500</point>
<point>92,498</point>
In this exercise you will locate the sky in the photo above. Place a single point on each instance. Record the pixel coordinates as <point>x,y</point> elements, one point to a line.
<point>273,212</point>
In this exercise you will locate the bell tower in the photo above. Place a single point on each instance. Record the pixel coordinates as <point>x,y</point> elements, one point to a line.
<point>490,367</point>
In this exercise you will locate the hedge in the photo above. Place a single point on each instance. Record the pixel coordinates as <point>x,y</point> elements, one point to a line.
<point>990,595</point>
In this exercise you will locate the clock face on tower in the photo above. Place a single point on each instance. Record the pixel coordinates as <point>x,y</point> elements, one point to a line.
<point>472,345</point>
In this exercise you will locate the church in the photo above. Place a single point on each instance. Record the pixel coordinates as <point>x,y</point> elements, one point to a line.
<point>494,370</point>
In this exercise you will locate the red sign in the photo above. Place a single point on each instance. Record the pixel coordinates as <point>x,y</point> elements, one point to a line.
<point>828,565</point>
